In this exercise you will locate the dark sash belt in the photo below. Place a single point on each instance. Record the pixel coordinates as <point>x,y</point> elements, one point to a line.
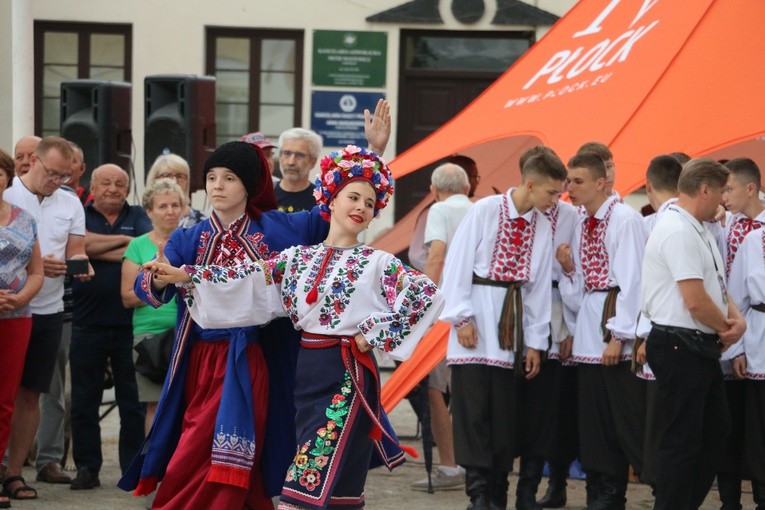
<point>760,307</point>
<point>510,320</point>
<point>609,310</point>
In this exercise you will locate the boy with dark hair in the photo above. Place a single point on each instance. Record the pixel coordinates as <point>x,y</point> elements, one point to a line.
<point>549,431</point>
<point>602,280</point>
<point>498,271</point>
<point>741,198</point>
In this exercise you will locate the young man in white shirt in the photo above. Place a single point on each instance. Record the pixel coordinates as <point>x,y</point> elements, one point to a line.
<point>602,280</point>
<point>498,271</point>
<point>742,199</point>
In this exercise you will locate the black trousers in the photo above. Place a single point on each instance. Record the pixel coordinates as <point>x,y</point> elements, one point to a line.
<point>754,451</point>
<point>611,420</point>
<point>654,428</point>
<point>691,397</point>
<point>548,417</point>
<point>484,417</point>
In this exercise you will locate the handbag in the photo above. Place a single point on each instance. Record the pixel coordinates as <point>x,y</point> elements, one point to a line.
<point>154,354</point>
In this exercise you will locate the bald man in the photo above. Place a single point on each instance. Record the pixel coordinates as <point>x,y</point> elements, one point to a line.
<point>102,327</point>
<point>24,149</point>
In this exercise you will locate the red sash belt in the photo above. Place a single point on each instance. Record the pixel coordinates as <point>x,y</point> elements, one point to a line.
<point>350,353</point>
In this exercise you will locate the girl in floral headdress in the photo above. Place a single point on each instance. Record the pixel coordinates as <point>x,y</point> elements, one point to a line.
<point>345,297</point>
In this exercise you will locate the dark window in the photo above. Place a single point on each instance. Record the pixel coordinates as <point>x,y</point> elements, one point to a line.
<point>72,51</point>
<point>259,80</point>
<point>448,51</point>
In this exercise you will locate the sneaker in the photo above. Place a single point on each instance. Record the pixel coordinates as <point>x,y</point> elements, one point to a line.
<point>85,480</point>
<point>441,481</point>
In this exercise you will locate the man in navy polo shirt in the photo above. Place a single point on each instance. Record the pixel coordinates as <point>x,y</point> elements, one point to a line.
<point>102,328</point>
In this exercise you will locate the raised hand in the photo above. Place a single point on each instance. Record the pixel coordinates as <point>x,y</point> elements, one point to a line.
<point>377,128</point>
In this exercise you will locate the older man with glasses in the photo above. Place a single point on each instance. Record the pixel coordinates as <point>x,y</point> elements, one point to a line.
<point>299,150</point>
<point>61,230</point>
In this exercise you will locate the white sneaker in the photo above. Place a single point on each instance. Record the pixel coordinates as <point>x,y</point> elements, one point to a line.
<point>441,481</point>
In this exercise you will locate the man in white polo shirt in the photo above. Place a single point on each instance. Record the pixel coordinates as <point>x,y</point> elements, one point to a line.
<point>61,227</point>
<point>685,297</point>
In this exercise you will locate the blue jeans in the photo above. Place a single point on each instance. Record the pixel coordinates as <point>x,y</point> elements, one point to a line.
<point>90,349</point>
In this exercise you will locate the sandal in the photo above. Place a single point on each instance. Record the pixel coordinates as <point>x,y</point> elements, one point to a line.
<point>14,494</point>
<point>5,499</point>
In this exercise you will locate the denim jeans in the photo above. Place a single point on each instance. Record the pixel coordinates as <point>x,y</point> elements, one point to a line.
<point>691,398</point>
<point>90,349</point>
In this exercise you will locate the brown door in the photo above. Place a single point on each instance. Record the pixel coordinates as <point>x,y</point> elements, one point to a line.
<point>441,73</point>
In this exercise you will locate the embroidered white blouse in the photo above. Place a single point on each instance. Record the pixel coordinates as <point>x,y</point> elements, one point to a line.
<point>473,250</point>
<point>358,290</point>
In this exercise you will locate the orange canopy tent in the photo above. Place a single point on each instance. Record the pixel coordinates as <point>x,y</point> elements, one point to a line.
<point>646,77</point>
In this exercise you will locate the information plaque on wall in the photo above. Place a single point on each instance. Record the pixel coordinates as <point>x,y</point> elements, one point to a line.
<point>339,116</point>
<point>349,59</point>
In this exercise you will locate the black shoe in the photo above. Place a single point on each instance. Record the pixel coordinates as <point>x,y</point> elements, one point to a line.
<point>556,496</point>
<point>477,488</point>
<point>498,490</point>
<point>85,480</point>
<point>529,475</point>
<point>612,495</point>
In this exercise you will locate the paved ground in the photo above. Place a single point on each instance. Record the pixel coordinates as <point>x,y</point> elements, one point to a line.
<point>385,491</point>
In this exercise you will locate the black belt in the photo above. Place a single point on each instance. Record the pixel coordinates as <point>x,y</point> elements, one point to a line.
<point>555,284</point>
<point>677,330</point>
<point>705,345</point>
<point>760,307</point>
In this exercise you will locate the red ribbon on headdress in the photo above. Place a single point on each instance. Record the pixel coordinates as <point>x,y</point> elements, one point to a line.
<point>264,199</point>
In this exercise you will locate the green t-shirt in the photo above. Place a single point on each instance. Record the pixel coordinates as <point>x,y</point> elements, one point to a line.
<point>147,319</point>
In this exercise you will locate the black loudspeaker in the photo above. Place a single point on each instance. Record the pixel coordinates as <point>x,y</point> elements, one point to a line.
<point>96,116</point>
<point>180,119</point>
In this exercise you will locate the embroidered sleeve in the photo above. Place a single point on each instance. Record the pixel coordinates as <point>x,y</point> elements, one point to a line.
<point>626,268</point>
<point>238,296</point>
<point>413,302</point>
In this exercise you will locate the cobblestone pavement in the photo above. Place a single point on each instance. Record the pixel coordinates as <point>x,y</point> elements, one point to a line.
<point>384,491</point>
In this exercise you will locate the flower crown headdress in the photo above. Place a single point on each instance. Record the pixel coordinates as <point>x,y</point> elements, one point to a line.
<point>349,165</point>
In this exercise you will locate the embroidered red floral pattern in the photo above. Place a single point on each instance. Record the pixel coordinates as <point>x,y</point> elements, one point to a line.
<point>738,230</point>
<point>511,259</point>
<point>310,460</point>
<point>593,253</point>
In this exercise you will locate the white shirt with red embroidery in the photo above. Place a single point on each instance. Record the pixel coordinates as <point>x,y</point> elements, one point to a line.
<point>563,218</point>
<point>624,240</point>
<point>737,227</point>
<point>475,250</point>
<point>746,286</point>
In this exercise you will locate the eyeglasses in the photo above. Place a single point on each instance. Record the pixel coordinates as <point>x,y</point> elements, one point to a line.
<point>178,177</point>
<point>55,176</point>
<point>300,156</point>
